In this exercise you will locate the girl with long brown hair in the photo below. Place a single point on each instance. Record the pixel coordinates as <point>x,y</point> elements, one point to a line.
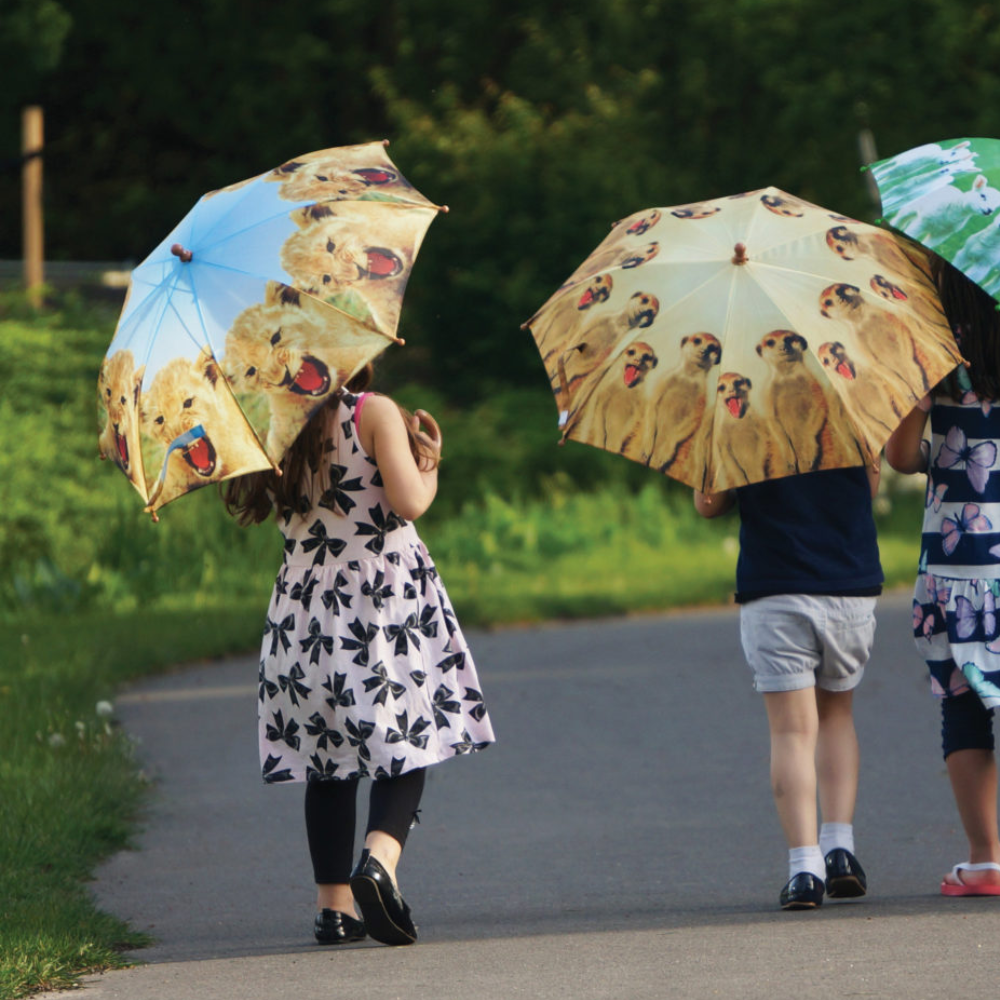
<point>364,671</point>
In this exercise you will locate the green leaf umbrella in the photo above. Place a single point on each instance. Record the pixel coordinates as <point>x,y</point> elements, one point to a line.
<point>946,195</point>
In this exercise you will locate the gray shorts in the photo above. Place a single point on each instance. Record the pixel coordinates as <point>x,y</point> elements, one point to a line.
<point>794,641</point>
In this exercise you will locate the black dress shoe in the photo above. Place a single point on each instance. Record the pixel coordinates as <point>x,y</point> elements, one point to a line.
<point>334,927</point>
<point>803,892</point>
<point>845,877</point>
<point>387,917</point>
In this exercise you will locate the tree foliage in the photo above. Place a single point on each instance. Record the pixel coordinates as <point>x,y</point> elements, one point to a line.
<point>539,124</point>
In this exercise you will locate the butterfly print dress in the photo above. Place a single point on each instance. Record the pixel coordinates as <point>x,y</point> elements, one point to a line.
<point>364,671</point>
<point>955,602</point>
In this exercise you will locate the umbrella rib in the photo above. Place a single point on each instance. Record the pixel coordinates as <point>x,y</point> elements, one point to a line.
<point>329,305</point>
<point>249,186</point>
<point>287,212</point>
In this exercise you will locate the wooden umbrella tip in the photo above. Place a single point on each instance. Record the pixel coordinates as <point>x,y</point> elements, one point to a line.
<point>740,253</point>
<point>180,251</point>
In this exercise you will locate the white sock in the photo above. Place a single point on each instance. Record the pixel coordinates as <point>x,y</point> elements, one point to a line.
<point>806,859</point>
<point>833,835</point>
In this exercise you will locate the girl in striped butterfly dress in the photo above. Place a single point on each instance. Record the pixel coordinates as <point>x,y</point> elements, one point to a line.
<point>955,602</point>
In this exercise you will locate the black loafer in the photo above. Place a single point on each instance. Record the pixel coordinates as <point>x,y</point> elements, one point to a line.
<point>387,917</point>
<point>845,878</point>
<point>334,927</point>
<point>803,892</point>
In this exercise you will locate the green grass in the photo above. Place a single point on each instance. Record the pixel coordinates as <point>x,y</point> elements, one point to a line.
<point>69,783</point>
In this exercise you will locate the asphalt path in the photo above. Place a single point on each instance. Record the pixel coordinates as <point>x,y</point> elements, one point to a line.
<point>618,841</point>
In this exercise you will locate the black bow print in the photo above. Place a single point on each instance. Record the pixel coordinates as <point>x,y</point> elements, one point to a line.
<point>265,686</point>
<point>448,615</point>
<point>279,730</point>
<point>277,633</point>
<point>281,584</point>
<point>395,769</point>
<point>443,702</point>
<point>345,699</point>
<point>304,591</point>
<point>292,683</point>
<point>325,736</point>
<point>456,660</point>
<point>363,635</point>
<point>336,496</point>
<point>336,595</point>
<point>407,632</point>
<point>414,735</point>
<point>467,745</point>
<point>423,573</point>
<point>357,734</point>
<point>317,641</point>
<point>270,775</point>
<point>478,711</point>
<point>382,683</point>
<point>320,770</point>
<point>379,528</point>
<point>376,591</point>
<point>323,544</point>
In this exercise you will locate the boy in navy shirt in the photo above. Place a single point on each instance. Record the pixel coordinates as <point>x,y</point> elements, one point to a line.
<point>806,580</point>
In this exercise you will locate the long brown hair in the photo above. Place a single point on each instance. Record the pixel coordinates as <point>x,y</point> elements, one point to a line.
<point>975,320</point>
<point>251,498</point>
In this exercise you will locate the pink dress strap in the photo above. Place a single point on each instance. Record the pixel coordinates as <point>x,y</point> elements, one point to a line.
<point>357,411</point>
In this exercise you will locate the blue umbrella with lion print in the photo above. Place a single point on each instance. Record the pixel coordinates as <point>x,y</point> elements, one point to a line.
<point>262,301</point>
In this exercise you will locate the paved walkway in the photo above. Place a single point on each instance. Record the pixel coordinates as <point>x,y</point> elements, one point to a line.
<point>619,842</point>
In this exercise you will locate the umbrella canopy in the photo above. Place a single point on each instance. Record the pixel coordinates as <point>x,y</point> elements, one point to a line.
<point>947,196</point>
<point>265,298</point>
<point>743,339</point>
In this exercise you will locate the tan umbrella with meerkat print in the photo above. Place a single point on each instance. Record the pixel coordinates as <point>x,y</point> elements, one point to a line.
<point>259,305</point>
<point>743,339</point>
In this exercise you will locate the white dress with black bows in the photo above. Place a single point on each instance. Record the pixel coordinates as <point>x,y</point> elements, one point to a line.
<point>364,671</point>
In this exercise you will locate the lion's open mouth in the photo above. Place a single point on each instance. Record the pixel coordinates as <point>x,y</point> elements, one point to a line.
<point>733,405</point>
<point>375,175</point>
<point>312,378</point>
<point>382,263</point>
<point>201,456</point>
<point>846,369</point>
<point>122,446</point>
<point>632,375</point>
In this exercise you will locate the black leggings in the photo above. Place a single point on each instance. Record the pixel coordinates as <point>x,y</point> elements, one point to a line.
<point>331,808</point>
<point>966,724</point>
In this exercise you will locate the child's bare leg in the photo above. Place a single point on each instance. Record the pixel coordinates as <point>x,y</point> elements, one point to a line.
<point>386,849</point>
<point>973,775</point>
<point>794,723</point>
<point>837,756</point>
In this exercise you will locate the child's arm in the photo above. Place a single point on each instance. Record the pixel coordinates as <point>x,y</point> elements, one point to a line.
<point>408,487</point>
<point>714,504</point>
<point>906,450</point>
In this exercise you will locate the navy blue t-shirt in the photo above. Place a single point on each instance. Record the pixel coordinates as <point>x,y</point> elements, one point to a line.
<point>808,534</point>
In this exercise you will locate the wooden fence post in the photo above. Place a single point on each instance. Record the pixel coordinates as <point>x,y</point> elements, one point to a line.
<point>32,142</point>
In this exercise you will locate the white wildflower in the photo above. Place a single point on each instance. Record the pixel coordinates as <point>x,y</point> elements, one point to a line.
<point>57,740</point>
<point>104,709</point>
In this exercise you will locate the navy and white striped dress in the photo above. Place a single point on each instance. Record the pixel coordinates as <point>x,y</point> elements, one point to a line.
<point>955,603</point>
